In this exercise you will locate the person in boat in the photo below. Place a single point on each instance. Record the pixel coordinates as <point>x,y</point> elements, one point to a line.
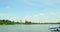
<point>56,29</point>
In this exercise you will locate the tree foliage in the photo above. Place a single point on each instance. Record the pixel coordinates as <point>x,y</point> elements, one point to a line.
<point>8,22</point>
<point>27,22</point>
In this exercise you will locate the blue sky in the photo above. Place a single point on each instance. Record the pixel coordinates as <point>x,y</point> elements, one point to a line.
<point>32,10</point>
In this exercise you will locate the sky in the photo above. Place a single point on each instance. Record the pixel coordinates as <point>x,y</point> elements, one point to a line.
<point>31,10</point>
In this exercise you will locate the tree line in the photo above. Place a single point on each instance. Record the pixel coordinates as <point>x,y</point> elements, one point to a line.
<point>8,22</point>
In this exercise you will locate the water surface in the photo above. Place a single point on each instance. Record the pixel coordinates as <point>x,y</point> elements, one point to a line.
<point>26,28</point>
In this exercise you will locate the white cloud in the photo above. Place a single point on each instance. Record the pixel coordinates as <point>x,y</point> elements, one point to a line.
<point>8,16</point>
<point>52,13</point>
<point>43,17</point>
<point>34,18</point>
<point>41,14</point>
<point>3,14</point>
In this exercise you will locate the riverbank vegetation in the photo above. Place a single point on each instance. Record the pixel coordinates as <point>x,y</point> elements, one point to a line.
<point>9,22</point>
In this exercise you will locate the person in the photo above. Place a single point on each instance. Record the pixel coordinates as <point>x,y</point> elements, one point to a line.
<point>57,29</point>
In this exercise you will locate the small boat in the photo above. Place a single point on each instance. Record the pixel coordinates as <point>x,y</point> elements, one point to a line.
<point>55,28</point>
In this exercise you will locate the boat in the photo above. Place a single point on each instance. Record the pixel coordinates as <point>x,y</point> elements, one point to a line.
<point>54,28</point>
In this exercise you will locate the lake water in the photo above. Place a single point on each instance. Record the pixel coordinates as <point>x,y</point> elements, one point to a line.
<point>26,28</point>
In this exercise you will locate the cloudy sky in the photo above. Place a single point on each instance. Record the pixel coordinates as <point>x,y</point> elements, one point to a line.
<point>32,10</point>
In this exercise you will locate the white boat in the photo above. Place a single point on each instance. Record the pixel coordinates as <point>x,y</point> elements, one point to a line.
<point>54,28</point>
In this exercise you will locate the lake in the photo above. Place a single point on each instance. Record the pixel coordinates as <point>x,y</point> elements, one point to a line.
<point>26,28</point>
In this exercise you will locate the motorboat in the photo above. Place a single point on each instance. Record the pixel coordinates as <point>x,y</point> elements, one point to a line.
<point>54,28</point>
